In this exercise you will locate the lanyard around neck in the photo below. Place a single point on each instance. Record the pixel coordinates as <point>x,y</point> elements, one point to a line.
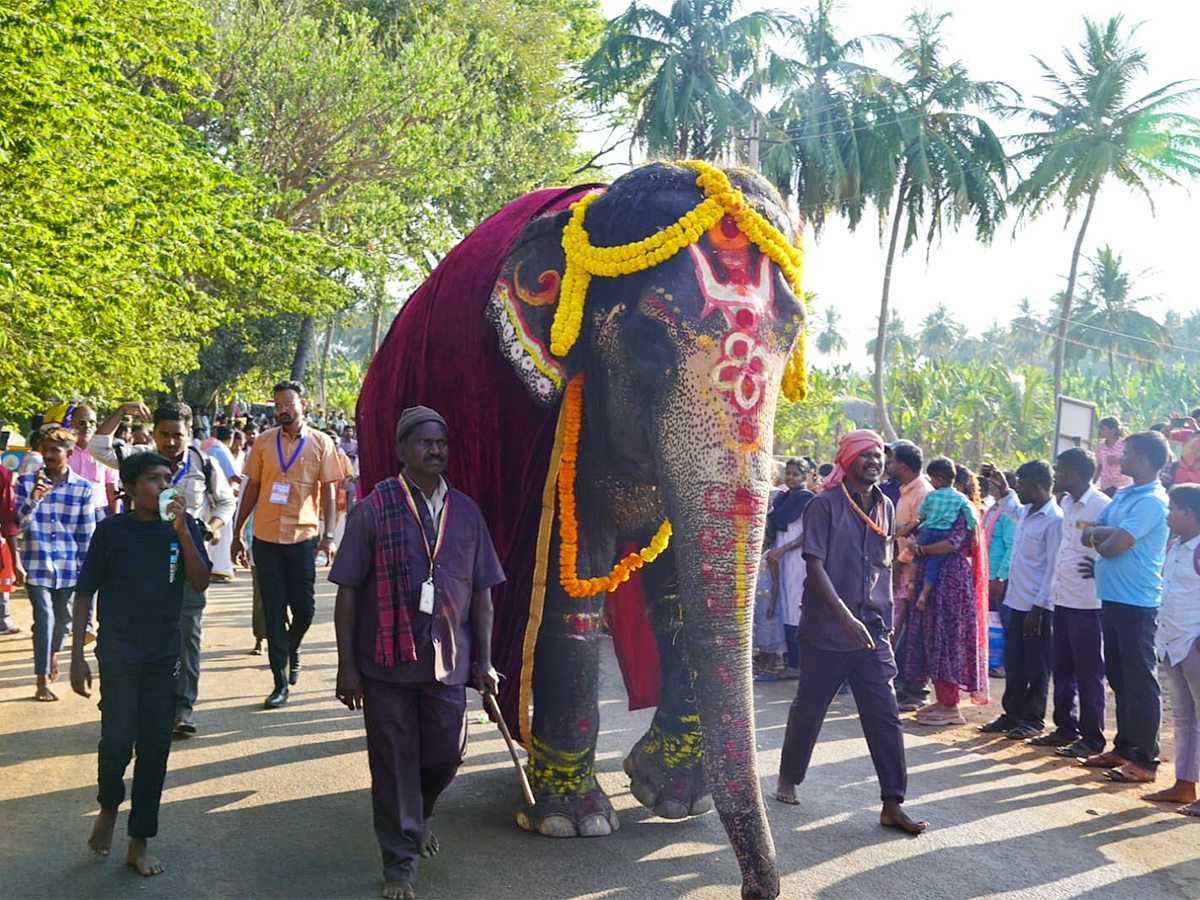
<point>431,552</point>
<point>279,449</point>
<point>862,515</point>
<point>183,466</point>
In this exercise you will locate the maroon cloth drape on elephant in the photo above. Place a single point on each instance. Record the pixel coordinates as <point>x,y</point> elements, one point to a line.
<point>442,352</point>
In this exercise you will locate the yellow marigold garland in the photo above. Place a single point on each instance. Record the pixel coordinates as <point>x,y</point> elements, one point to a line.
<point>568,526</point>
<point>720,198</point>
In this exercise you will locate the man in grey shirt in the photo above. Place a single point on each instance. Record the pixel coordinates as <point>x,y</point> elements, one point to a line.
<point>1028,608</point>
<point>844,624</point>
<point>208,498</point>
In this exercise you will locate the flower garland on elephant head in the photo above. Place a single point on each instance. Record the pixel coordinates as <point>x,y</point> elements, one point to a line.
<point>583,260</point>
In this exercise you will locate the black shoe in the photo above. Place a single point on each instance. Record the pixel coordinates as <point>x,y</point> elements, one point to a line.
<point>277,699</point>
<point>1023,731</point>
<point>185,724</point>
<point>998,725</point>
<point>1053,739</point>
<point>1078,750</point>
<point>293,667</point>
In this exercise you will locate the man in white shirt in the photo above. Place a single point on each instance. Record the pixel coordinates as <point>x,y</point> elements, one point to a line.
<point>1078,658</point>
<point>1177,643</point>
<point>1028,611</point>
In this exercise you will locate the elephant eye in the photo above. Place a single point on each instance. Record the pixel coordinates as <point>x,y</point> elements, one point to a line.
<point>648,347</point>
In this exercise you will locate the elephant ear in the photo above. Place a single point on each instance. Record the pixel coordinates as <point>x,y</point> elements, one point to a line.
<point>522,307</point>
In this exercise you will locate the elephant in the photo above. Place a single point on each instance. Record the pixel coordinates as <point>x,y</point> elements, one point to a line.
<point>654,389</point>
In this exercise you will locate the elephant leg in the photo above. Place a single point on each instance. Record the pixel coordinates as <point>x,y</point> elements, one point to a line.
<point>666,766</point>
<point>566,721</point>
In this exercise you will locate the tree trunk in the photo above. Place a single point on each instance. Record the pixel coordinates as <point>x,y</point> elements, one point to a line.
<point>304,347</point>
<point>1112,370</point>
<point>325,365</point>
<point>882,421</point>
<point>1064,314</point>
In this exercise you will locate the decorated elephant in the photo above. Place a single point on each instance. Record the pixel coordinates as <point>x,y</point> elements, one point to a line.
<point>608,360</point>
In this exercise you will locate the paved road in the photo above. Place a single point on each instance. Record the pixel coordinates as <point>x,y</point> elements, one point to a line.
<point>275,804</point>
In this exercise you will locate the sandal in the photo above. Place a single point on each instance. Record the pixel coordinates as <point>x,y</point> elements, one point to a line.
<point>1130,774</point>
<point>1107,760</point>
<point>766,676</point>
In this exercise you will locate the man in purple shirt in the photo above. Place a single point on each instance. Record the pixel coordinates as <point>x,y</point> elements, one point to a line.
<point>844,625</point>
<point>414,577</point>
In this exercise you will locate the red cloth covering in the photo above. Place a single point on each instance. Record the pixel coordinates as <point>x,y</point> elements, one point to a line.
<point>633,640</point>
<point>443,353</point>
<point>849,449</point>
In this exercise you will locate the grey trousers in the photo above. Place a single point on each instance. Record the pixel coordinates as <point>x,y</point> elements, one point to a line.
<point>1184,683</point>
<point>871,674</point>
<point>189,651</point>
<point>416,738</point>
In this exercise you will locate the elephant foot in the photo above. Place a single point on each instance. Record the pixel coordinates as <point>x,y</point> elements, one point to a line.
<point>588,815</point>
<point>666,770</point>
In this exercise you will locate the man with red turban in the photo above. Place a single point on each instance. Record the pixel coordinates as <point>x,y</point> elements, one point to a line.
<point>846,615</point>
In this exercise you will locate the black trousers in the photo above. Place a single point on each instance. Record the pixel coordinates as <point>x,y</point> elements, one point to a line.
<point>137,712</point>
<point>1026,667</point>
<point>870,673</point>
<point>416,738</point>
<point>1132,669</point>
<point>287,574</point>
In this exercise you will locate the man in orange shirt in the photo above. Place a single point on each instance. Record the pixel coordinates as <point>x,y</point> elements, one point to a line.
<point>290,484</point>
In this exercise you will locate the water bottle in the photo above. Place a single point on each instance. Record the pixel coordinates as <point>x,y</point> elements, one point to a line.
<point>164,500</point>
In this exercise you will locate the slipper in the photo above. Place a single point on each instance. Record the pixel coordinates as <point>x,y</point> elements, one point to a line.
<point>766,676</point>
<point>912,706</point>
<point>1130,774</point>
<point>1107,760</point>
<point>955,718</point>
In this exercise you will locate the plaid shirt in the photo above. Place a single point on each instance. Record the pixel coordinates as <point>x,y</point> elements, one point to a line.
<point>940,508</point>
<point>55,530</point>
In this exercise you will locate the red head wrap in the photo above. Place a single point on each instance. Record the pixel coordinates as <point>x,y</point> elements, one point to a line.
<point>849,449</point>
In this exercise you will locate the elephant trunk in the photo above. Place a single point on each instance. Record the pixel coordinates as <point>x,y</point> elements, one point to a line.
<point>718,542</point>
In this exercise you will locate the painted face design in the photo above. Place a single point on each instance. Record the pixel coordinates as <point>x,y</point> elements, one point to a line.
<point>744,298</point>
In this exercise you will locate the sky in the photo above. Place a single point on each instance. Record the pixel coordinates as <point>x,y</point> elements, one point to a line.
<point>981,284</point>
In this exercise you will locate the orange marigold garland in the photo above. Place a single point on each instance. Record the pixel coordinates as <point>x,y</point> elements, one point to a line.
<point>568,525</point>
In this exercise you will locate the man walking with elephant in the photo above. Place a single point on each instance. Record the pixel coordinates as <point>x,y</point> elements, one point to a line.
<point>415,578</point>
<point>847,605</point>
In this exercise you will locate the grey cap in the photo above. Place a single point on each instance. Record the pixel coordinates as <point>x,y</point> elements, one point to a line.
<point>414,416</point>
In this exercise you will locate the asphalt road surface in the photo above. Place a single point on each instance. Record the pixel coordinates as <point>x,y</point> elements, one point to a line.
<point>276,805</point>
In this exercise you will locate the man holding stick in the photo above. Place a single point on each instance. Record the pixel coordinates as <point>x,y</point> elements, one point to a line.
<point>414,577</point>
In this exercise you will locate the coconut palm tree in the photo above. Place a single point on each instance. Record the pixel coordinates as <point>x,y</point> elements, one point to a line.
<point>830,339</point>
<point>948,162</point>
<point>1093,130</point>
<point>1109,321</point>
<point>940,333</point>
<point>898,342</point>
<point>683,72</point>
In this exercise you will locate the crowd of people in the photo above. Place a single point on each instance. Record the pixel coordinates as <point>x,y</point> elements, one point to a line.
<point>879,575</point>
<point>1092,563</point>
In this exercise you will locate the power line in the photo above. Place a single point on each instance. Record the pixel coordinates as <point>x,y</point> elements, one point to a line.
<point>1116,353</point>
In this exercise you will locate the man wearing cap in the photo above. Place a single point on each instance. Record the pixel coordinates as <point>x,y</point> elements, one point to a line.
<point>848,535</point>
<point>291,476</point>
<point>415,578</point>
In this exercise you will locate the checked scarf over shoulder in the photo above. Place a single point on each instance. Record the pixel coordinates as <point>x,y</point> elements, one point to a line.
<point>393,581</point>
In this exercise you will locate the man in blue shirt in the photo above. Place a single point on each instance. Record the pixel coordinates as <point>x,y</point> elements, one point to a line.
<point>1130,536</point>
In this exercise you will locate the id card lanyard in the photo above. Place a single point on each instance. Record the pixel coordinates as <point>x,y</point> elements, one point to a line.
<point>281,490</point>
<point>183,467</point>
<point>426,603</point>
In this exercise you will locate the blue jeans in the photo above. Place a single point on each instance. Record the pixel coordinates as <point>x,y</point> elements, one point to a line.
<point>51,616</point>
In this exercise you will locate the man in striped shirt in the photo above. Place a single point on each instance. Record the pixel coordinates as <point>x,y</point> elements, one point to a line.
<point>56,517</point>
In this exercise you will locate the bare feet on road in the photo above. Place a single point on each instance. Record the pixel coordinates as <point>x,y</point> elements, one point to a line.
<point>893,816</point>
<point>785,792</point>
<point>399,890</point>
<point>430,846</point>
<point>139,857</point>
<point>1192,809</point>
<point>100,841</point>
<point>1179,792</point>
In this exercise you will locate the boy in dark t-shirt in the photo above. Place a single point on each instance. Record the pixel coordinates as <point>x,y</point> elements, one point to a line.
<point>138,564</point>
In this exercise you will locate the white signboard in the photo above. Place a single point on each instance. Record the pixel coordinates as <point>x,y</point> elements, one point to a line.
<point>1074,425</point>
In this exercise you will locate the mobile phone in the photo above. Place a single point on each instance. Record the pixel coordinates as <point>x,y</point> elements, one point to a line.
<point>1177,422</point>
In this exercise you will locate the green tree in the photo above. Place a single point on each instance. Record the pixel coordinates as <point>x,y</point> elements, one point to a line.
<point>940,333</point>
<point>948,162</point>
<point>830,339</point>
<point>1093,130</point>
<point>688,74</point>
<point>1109,320</point>
<point>898,343</point>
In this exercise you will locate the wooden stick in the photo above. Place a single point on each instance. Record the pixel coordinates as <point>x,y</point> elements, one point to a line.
<point>494,708</point>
